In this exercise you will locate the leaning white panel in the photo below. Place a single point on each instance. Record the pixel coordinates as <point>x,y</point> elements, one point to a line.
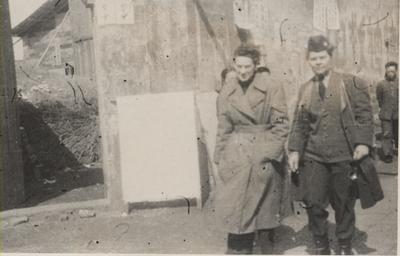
<point>158,143</point>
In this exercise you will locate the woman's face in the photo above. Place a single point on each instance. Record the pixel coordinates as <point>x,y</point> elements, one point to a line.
<point>244,67</point>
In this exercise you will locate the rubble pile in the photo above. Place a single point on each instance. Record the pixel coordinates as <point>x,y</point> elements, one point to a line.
<point>77,130</point>
<point>55,137</point>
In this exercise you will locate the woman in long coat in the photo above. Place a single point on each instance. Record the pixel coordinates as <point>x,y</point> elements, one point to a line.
<point>252,130</point>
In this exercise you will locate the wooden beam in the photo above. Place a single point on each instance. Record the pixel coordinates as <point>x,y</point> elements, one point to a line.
<point>11,173</point>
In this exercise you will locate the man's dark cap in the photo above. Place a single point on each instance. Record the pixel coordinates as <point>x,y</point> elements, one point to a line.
<point>318,44</point>
<point>391,63</point>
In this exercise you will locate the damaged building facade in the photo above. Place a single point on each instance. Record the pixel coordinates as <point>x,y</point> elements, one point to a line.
<point>136,47</point>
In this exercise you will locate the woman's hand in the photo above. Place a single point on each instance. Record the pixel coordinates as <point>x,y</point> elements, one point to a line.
<point>360,151</point>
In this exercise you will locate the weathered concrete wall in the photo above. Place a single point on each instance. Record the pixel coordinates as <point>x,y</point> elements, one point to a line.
<point>368,36</point>
<point>167,48</point>
<point>12,180</point>
<point>361,49</point>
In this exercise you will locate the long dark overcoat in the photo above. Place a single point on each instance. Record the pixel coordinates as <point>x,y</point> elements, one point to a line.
<point>252,130</point>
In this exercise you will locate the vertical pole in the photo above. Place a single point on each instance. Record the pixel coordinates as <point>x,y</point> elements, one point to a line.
<point>11,179</point>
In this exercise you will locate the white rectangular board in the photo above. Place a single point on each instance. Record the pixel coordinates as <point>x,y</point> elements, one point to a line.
<point>158,144</point>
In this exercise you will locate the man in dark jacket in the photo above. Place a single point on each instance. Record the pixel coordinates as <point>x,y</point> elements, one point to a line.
<point>331,135</point>
<point>387,94</point>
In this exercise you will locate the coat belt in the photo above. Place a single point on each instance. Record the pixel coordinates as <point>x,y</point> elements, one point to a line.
<point>252,128</point>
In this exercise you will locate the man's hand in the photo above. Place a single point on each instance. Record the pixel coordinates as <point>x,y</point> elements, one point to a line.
<point>293,160</point>
<point>360,151</point>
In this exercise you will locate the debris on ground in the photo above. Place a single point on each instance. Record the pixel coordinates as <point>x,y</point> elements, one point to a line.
<point>18,220</point>
<point>86,213</point>
<point>64,217</point>
<point>50,160</point>
<point>68,169</point>
<point>49,181</point>
<point>77,130</point>
<point>4,224</point>
<point>92,243</point>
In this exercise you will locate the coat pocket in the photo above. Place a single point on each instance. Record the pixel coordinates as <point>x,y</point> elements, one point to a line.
<point>234,159</point>
<point>264,172</point>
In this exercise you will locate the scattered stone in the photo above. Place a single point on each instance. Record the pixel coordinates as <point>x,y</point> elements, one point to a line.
<point>86,213</point>
<point>49,181</point>
<point>18,220</point>
<point>4,224</point>
<point>67,169</point>
<point>92,243</point>
<point>83,169</point>
<point>124,214</point>
<point>64,217</point>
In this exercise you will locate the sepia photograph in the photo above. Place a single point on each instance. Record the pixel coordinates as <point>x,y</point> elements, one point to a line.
<point>199,127</point>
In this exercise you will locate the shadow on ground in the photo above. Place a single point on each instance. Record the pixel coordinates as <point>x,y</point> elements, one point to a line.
<point>287,239</point>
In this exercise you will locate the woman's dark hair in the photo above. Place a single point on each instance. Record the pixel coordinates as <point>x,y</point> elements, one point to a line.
<point>248,51</point>
<point>391,64</point>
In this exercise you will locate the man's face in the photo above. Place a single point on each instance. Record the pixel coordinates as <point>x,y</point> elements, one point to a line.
<point>391,72</point>
<point>320,62</point>
<point>244,67</point>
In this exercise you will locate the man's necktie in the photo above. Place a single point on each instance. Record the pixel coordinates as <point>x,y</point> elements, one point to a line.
<point>321,86</point>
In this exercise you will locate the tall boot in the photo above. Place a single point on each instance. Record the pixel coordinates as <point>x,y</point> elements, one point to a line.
<point>345,247</point>
<point>266,239</point>
<point>240,243</point>
<point>322,245</point>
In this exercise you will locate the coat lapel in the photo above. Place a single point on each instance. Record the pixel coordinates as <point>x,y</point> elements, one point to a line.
<point>256,92</point>
<point>240,102</point>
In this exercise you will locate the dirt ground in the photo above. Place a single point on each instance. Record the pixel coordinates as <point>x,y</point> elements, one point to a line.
<point>177,230</point>
<point>67,185</point>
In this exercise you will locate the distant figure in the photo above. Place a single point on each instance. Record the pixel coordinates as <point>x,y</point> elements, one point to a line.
<point>226,74</point>
<point>387,94</point>
<point>69,70</point>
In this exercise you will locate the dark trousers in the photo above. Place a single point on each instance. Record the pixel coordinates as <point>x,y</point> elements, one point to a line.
<point>326,184</point>
<point>390,134</point>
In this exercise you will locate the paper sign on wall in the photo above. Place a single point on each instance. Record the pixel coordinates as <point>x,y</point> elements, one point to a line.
<point>332,17</point>
<point>241,14</point>
<point>114,12</point>
<point>326,15</point>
